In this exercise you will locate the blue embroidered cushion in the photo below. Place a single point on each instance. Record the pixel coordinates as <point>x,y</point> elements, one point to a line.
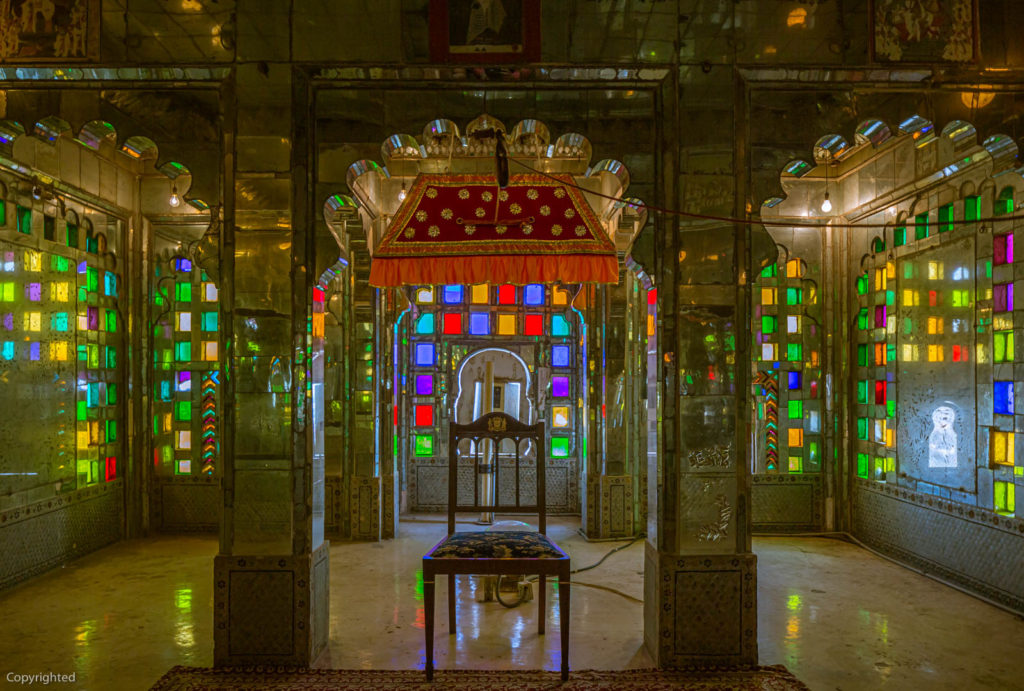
<point>498,544</point>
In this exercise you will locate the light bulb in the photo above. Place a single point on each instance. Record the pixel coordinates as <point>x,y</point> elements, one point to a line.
<point>175,200</point>
<point>401,194</point>
<point>826,205</point>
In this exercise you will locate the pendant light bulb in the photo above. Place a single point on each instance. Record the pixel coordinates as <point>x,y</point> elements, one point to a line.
<point>401,194</point>
<point>826,205</point>
<point>174,200</point>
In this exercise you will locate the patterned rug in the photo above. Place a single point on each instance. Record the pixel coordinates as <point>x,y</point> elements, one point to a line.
<point>772,678</point>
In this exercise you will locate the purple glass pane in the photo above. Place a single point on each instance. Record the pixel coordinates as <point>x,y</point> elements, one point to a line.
<point>424,384</point>
<point>559,387</point>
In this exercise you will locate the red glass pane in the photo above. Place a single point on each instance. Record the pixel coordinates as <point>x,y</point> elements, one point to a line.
<point>879,393</point>
<point>506,295</point>
<point>534,325</point>
<point>880,317</point>
<point>111,468</point>
<point>652,296</point>
<point>452,323</point>
<point>424,415</point>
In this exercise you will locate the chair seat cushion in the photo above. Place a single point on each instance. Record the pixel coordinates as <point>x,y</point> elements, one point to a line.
<point>498,544</point>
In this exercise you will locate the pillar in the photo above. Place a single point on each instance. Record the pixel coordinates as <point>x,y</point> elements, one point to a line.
<point>700,581</point>
<point>614,414</point>
<point>271,575</point>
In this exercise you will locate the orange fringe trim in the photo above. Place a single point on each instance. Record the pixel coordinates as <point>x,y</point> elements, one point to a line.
<point>388,272</point>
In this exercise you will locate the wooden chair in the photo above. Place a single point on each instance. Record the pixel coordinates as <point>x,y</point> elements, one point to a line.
<point>496,552</point>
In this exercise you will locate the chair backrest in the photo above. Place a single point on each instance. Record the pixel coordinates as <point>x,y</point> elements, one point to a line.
<point>494,428</point>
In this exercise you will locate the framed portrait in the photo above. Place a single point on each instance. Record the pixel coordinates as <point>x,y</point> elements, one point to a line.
<point>50,31</point>
<point>923,30</point>
<point>484,31</point>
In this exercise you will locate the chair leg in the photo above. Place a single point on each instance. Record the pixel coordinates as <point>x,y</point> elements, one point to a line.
<point>451,604</point>
<point>542,609</point>
<point>563,621</point>
<point>428,606</point>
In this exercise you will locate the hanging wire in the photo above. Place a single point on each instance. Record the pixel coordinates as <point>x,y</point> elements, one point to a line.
<point>756,221</point>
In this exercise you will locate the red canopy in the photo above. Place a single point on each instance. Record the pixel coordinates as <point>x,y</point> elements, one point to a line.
<point>464,229</point>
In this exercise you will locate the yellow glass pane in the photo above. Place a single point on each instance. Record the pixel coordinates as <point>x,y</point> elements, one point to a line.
<point>796,436</point>
<point>768,296</point>
<point>560,416</point>
<point>82,438</point>
<point>480,294</point>
<point>506,324</point>
<point>793,268</point>
<point>559,296</point>
<point>59,291</point>
<point>425,295</point>
<point>795,464</point>
<point>210,351</point>
<point>650,325</point>
<point>33,321</point>
<point>33,261</point>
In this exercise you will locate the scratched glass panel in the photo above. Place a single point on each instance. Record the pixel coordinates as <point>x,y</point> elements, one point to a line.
<point>936,439</point>
<point>707,351</point>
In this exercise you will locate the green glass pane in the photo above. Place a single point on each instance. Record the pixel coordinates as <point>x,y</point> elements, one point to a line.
<point>24,220</point>
<point>94,355</point>
<point>92,394</point>
<point>794,296</point>
<point>3,212</point>
<point>862,428</point>
<point>863,322</point>
<point>111,318</point>
<point>71,235</point>
<point>111,431</point>
<point>795,410</point>
<point>899,237</point>
<point>92,279</point>
<point>83,413</point>
<point>879,245</point>
<point>794,352</point>
<point>183,292</point>
<point>769,324</point>
<point>890,408</point>
<point>921,226</point>
<point>59,321</point>
<point>770,271</point>
<point>999,346</point>
<point>890,297</point>
<point>559,447</point>
<point>972,208</point>
<point>862,392</point>
<point>863,465</point>
<point>946,218</point>
<point>862,354</point>
<point>862,285</point>
<point>111,357</point>
<point>183,411</point>
<point>83,355</point>
<point>209,321</point>
<point>111,394</point>
<point>424,445</point>
<point>182,351</point>
<point>425,324</point>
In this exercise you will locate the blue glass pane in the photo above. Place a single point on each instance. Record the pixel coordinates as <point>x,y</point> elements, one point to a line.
<point>1003,397</point>
<point>452,295</point>
<point>425,324</point>
<point>560,356</point>
<point>794,380</point>
<point>425,354</point>
<point>478,323</point>
<point>533,294</point>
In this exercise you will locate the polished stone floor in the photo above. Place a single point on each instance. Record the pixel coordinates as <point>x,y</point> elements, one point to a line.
<point>836,615</point>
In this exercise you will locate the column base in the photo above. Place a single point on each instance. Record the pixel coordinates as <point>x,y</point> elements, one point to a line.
<point>700,609</point>
<point>364,507</point>
<point>271,609</point>
<point>610,504</point>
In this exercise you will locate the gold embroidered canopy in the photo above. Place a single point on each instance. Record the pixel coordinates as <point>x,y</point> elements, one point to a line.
<point>465,229</point>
